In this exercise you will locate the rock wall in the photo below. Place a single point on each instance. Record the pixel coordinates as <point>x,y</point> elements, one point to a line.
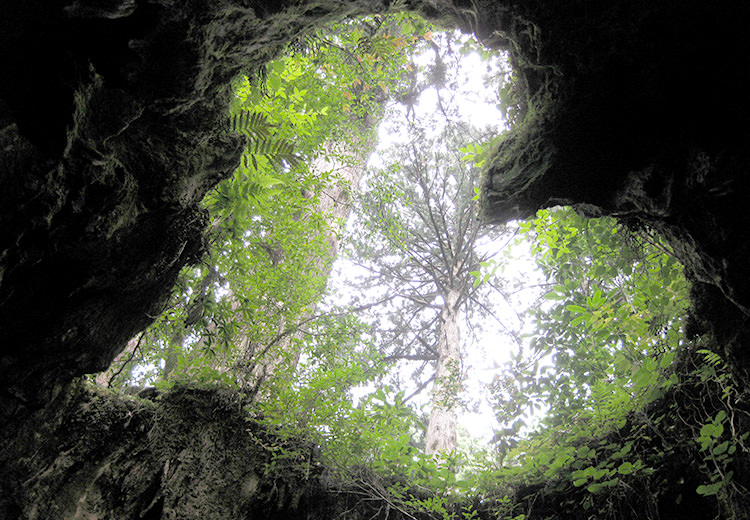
<point>113,119</point>
<point>639,110</point>
<point>191,453</point>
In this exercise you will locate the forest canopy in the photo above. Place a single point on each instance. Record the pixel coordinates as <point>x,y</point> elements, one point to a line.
<point>374,370</point>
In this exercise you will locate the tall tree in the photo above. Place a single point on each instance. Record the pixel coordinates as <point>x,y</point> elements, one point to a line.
<point>418,235</point>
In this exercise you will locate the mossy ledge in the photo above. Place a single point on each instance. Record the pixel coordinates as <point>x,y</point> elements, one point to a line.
<point>192,452</point>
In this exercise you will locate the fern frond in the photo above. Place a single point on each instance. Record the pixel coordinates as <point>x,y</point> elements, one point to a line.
<point>306,45</point>
<point>252,124</point>
<point>277,150</point>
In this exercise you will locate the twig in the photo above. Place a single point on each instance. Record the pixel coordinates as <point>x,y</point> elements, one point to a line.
<point>132,355</point>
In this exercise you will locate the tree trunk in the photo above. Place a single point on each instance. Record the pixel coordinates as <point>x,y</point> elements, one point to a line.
<point>441,430</point>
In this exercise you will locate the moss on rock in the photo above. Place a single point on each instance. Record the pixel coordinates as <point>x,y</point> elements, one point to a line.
<point>191,452</point>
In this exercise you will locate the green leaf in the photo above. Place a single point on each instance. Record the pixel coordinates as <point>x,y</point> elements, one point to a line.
<point>709,489</point>
<point>721,448</point>
<point>666,360</point>
<point>708,430</point>
<point>626,468</point>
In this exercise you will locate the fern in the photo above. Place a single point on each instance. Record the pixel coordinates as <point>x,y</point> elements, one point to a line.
<point>712,358</point>
<point>277,150</point>
<point>249,191</point>
<point>255,182</point>
<point>253,124</point>
<point>306,45</point>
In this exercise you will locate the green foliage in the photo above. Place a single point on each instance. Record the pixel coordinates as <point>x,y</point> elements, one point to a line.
<point>279,152</point>
<point>632,406</point>
<point>605,364</point>
<point>269,242</point>
<point>606,331</point>
<point>314,399</point>
<point>717,431</point>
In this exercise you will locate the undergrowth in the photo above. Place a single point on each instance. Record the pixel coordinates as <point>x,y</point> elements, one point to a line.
<point>677,456</point>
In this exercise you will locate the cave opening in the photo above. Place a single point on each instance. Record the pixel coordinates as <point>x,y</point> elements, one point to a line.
<point>600,339</point>
<point>97,227</point>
